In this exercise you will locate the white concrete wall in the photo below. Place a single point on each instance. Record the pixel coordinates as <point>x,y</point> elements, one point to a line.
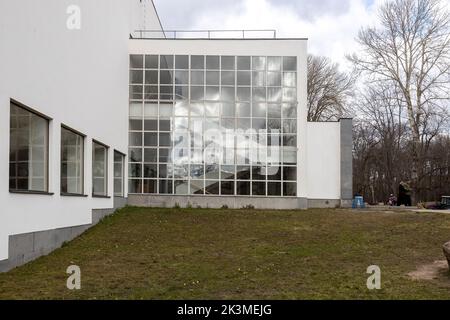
<point>279,47</point>
<point>78,78</point>
<point>324,160</point>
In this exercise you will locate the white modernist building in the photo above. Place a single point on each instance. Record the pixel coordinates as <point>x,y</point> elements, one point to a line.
<point>97,115</point>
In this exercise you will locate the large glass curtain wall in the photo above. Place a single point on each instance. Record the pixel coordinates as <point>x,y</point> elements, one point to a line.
<point>213,125</point>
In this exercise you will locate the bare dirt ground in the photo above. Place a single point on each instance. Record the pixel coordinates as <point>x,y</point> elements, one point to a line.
<point>433,271</point>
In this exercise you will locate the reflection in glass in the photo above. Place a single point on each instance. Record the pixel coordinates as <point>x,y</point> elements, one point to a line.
<point>259,63</point>
<point>213,125</point>
<point>212,187</point>
<point>197,187</point>
<point>274,63</point>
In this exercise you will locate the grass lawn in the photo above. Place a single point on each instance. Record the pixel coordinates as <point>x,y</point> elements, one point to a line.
<point>142,253</point>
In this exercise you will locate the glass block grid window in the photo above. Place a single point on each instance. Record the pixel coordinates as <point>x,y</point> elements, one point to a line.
<point>213,125</point>
<point>28,155</point>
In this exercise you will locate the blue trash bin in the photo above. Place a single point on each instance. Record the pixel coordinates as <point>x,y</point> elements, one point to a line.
<point>358,203</point>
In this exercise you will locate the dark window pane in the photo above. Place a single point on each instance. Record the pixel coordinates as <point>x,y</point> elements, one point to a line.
<point>197,187</point>
<point>197,62</point>
<point>151,77</point>
<point>165,187</point>
<point>259,188</point>
<point>135,186</point>
<point>150,171</point>
<point>164,155</point>
<point>289,63</point>
<point>28,150</point>
<point>181,62</point>
<point>228,62</point>
<point>290,189</point>
<point>151,62</point>
<point>243,188</point>
<point>135,139</point>
<point>151,125</point>
<point>274,188</point>
<point>136,61</point>
<point>166,62</point>
<point>212,62</point>
<point>243,63</point>
<point>273,173</point>
<point>136,125</point>
<point>165,139</point>
<point>150,139</point>
<point>150,186</point>
<point>243,78</point>
<point>150,155</point>
<point>259,173</point>
<point>212,187</point>
<point>166,77</point>
<point>99,169</point>
<point>243,173</point>
<point>227,188</point>
<point>135,170</point>
<point>72,160</point>
<point>290,173</point>
<point>136,76</point>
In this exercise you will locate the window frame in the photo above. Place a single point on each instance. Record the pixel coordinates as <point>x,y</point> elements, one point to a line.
<point>123,157</point>
<point>83,153</point>
<point>105,195</point>
<point>47,151</point>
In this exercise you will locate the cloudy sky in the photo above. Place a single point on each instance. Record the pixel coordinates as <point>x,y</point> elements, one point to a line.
<point>330,25</point>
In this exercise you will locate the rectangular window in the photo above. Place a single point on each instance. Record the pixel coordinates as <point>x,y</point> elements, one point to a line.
<point>72,156</point>
<point>99,169</point>
<point>119,160</point>
<point>28,155</point>
<point>216,125</point>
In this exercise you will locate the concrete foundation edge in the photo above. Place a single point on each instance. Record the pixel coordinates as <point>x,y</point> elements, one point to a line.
<point>213,202</point>
<point>27,247</point>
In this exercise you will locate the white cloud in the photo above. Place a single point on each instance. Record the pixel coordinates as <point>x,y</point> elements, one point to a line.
<point>330,25</point>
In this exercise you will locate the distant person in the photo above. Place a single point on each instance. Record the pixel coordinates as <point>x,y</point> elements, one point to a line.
<point>392,200</point>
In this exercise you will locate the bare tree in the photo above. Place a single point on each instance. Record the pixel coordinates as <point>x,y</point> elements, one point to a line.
<point>328,89</point>
<point>410,51</point>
